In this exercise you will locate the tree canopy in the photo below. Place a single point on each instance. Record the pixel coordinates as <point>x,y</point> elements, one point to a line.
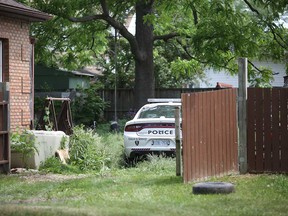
<point>174,40</point>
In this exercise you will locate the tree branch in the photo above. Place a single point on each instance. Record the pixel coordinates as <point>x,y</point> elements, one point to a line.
<point>258,69</point>
<point>114,23</point>
<point>277,37</point>
<point>282,43</point>
<point>252,8</point>
<point>151,2</point>
<point>87,18</point>
<point>185,48</point>
<point>166,37</point>
<point>104,7</point>
<point>195,15</point>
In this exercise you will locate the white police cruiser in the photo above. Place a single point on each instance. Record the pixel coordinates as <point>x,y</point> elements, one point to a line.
<point>152,130</point>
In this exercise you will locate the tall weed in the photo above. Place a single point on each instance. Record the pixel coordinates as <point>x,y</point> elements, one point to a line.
<point>113,146</point>
<point>54,165</point>
<point>84,150</point>
<point>90,152</point>
<point>158,164</point>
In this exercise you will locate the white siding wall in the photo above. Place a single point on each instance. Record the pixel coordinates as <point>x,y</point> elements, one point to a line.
<point>212,77</point>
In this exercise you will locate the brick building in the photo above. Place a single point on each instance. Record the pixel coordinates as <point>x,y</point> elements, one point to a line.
<point>16,71</point>
<point>16,58</point>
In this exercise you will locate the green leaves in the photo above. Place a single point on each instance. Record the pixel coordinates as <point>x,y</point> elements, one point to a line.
<point>68,45</point>
<point>88,106</point>
<point>91,152</point>
<point>186,68</point>
<point>209,34</point>
<point>83,150</point>
<point>23,143</point>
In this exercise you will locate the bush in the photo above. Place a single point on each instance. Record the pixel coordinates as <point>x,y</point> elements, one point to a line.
<point>84,151</point>
<point>88,106</point>
<point>90,152</point>
<point>23,143</point>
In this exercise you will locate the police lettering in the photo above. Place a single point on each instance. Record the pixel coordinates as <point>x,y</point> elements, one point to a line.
<point>160,132</point>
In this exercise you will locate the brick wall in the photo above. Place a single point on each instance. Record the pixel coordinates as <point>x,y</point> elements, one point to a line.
<point>16,61</point>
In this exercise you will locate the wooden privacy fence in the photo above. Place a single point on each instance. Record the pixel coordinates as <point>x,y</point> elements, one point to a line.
<point>125,99</point>
<point>209,130</point>
<point>267,117</point>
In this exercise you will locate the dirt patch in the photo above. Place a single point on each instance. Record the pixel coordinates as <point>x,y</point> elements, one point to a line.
<point>50,177</point>
<point>32,176</point>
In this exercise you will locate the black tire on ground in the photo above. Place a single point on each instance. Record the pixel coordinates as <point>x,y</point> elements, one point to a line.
<point>213,188</point>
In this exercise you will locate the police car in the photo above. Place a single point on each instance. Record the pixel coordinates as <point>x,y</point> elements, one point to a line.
<point>152,130</point>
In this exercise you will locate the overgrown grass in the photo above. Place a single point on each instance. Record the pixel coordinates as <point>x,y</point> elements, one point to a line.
<point>150,188</point>
<point>90,152</point>
<point>104,128</point>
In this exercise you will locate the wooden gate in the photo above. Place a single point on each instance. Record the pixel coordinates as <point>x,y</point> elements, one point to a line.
<point>209,127</point>
<point>267,124</point>
<point>4,129</point>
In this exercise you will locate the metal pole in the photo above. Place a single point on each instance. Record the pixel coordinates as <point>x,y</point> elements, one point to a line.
<point>115,90</point>
<point>177,140</point>
<point>242,115</point>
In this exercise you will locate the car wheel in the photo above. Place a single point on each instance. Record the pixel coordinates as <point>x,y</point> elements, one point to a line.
<point>213,188</point>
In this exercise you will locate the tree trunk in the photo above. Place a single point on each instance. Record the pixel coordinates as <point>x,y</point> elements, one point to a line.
<point>144,67</point>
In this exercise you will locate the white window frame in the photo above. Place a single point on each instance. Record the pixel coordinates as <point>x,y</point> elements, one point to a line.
<point>1,60</point>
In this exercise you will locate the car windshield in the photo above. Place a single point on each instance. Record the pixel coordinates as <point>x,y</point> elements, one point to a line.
<point>158,111</point>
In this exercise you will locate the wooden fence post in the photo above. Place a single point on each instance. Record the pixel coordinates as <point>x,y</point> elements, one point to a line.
<point>242,115</point>
<point>178,142</point>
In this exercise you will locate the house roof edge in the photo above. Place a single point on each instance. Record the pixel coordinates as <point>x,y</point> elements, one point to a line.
<point>14,9</point>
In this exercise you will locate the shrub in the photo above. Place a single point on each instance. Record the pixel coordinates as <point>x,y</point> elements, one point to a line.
<point>83,149</point>
<point>90,152</point>
<point>88,106</point>
<point>23,143</point>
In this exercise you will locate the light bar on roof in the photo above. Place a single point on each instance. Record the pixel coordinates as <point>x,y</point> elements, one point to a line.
<point>164,100</point>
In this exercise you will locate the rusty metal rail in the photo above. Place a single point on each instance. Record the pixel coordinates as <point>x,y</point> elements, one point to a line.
<point>61,121</point>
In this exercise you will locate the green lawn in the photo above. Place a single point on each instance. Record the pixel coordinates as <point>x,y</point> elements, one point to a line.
<point>148,189</point>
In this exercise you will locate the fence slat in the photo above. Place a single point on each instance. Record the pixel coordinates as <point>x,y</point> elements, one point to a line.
<point>275,130</point>
<point>259,129</point>
<point>207,114</point>
<point>193,155</point>
<point>229,139</point>
<point>267,109</point>
<point>251,158</point>
<point>197,151</point>
<point>284,129</point>
<point>226,156</point>
<point>213,125</point>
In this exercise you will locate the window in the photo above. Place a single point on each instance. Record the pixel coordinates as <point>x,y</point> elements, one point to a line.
<point>158,111</point>
<point>1,60</point>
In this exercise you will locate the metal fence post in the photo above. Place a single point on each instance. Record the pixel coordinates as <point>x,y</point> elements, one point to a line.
<point>178,142</point>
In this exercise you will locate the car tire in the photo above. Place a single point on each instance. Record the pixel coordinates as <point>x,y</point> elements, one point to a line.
<point>213,188</point>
